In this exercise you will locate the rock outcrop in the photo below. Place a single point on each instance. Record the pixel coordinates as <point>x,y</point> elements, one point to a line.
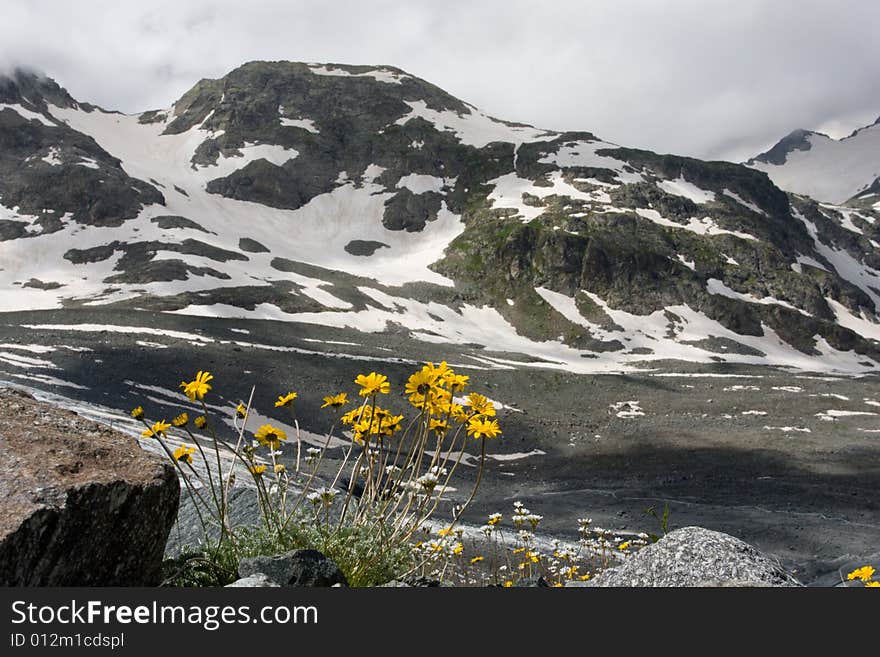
<point>80,503</point>
<point>294,568</point>
<point>694,556</point>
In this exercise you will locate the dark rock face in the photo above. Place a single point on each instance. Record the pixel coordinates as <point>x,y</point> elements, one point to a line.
<point>84,181</point>
<point>410,212</point>
<point>295,568</point>
<point>251,246</point>
<point>694,556</point>
<point>795,140</point>
<point>364,247</point>
<point>80,504</point>
<point>171,221</point>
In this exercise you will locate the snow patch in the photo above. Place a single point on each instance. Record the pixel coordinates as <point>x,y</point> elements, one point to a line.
<point>747,204</point>
<point>704,226</point>
<point>27,114</point>
<point>681,187</point>
<point>381,74</point>
<point>714,286</point>
<point>626,409</point>
<point>475,128</point>
<point>305,124</point>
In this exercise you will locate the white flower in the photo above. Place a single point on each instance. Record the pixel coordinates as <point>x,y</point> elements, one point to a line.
<point>322,495</point>
<point>428,481</point>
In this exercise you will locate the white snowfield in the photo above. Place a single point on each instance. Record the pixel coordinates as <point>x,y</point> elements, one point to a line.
<point>831,170</point>
<point>681,187</point>
<point>324,226</point>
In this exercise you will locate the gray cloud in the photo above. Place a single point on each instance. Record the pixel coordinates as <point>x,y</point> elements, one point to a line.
<point>708,78</point>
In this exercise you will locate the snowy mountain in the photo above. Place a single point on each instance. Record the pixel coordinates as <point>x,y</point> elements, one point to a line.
<point>365,198</point>
<point>826,169</point>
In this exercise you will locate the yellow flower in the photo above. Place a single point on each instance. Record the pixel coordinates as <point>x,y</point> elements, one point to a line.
<point>457,382</point>
<point>285,400</point>
<point>446,531</point>
<point>623,546</point>
<point>458,413</point>
<point>257,469</point>
<point>351,417</point>
<point>584,578</point>
<point>458,549</point>
<point>481,428</point>
<point>198,387</point>
<point>864,573</point>
<point>361,431</point>
<point>390,425</point>
<point>439,427</point>
<point>494,519</point>
<point>158,429</point>
<point>269,436</point>
<point>201,422</point>
<point>419,386</point>
<point>373,383</point>
<point>480,404</point>
<point>181,420</point>
<point>440,371</point>
<point>184,453</point>
<point>558,585</point>
<point>137,412</point>
<point>240,410</point>
<point>872,584</point>
<point>477,559</point>
<point>279,468</point>
<point>336,401</point>
<point>507,583</point>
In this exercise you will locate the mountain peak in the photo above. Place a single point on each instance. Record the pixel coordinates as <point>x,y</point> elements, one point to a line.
<point>33,87</point>
<point>829,170</point>
<point>796,140</point>
<point>308,88</point>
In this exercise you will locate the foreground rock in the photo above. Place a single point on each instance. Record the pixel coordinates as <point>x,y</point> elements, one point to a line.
<point>80,504</point>
<point>295,568</point>
<point>255,581</point>
<point>693,556</point>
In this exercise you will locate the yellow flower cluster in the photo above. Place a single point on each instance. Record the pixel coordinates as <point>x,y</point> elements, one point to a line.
<point>866,575</point>
<point>372,421</point>
<point>432,390</point>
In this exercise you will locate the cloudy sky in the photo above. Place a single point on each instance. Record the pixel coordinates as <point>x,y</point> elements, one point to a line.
<point>709,78</point>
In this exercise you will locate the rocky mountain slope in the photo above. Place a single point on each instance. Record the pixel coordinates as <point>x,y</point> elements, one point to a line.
<point>827,169</point>
<point>363,197</point>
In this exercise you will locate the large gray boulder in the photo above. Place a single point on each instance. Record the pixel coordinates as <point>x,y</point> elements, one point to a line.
<point>80,503</point>
<point>694,556</point>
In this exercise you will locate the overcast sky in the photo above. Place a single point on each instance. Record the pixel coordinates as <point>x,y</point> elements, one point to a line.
<point>708,78</point>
